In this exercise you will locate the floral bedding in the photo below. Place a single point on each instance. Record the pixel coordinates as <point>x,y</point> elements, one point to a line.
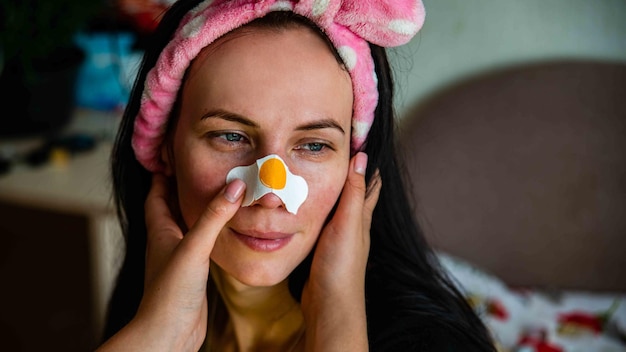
<point>533,320</point>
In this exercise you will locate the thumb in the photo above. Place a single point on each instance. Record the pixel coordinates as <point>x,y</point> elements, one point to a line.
<point>202,235</point>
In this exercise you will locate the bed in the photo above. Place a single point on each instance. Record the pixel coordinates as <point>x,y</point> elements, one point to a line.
<point>519,181</point>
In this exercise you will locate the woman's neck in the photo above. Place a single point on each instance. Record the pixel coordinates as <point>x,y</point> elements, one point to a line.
<point>260,318</point>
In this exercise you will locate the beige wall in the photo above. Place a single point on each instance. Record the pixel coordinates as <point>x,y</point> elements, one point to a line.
<point>461,38</point>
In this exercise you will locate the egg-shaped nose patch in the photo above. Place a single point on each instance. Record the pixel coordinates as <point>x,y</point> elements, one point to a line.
<point>270,174</point>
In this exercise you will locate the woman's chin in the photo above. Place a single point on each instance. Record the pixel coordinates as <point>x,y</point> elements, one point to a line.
<point>256,276</point>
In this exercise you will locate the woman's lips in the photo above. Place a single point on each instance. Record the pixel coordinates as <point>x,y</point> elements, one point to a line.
<point>264,242</point>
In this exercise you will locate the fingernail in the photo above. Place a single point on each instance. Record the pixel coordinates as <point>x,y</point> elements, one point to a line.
<point>234,190</point>
<point>360,163</point>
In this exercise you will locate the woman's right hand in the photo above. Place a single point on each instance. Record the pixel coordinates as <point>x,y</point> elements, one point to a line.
<point>172,315</point>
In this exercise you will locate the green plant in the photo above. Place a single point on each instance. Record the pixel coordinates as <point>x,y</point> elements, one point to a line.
<point>39,61</point>
<point>31,31</point>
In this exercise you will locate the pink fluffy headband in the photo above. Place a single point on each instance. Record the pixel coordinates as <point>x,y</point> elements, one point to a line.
<point>350,25</point>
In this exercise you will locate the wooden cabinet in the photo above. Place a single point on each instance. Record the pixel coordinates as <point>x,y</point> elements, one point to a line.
<point>47,295</point>
<point>59,245</point>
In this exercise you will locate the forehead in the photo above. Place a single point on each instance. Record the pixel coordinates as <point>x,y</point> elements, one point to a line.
<point>277,22</point>
<point>255,64</point>
<point>264,34</point>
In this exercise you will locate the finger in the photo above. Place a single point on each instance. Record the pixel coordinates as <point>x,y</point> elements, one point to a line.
<point>371,200</point>
<point>353,194</point>
<point>159,219</point>
<point>201,237</point>
<point>343,247</point>
<point>163,234</point>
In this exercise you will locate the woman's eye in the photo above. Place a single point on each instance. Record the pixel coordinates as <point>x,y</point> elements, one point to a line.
<point>225,140</point>
<point>232,137</point>
<point>313,147</point>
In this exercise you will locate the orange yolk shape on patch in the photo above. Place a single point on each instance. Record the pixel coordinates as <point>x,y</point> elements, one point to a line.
<point>273,174</point>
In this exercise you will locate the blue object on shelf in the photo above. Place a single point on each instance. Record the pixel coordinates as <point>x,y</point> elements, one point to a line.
<point>106,76</point>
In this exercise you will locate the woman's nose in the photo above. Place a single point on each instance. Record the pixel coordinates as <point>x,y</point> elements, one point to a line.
<point>269,201</point>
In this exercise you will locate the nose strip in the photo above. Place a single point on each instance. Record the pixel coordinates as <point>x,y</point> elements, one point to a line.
<point>270,174</point>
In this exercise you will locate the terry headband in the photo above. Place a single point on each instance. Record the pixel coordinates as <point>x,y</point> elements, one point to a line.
<point>349,24</point>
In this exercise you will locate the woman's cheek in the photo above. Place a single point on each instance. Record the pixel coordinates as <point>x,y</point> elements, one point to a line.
<point>324,192</point>
<point>196,189</point>
<point>326,197</point>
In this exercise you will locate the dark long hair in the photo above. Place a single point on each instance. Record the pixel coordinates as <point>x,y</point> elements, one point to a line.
<point>411,303</point>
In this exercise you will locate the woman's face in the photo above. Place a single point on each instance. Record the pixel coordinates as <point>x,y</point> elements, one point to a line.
<point>255,93</point>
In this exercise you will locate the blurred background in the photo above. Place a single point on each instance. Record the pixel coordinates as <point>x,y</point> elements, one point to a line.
<point>66,68</point>
<point>461,40</point>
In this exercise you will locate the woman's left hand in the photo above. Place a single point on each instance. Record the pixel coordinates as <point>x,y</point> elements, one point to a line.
<point>333,299</point>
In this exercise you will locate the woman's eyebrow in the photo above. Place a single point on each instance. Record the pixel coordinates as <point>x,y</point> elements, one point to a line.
<point>229,116</point>
<point>321,124</point>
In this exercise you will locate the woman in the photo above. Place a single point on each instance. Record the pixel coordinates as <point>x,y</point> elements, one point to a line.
<point>320,263</point>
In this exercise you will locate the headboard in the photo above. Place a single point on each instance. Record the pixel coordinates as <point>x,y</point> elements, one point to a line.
<point>523,173</point>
